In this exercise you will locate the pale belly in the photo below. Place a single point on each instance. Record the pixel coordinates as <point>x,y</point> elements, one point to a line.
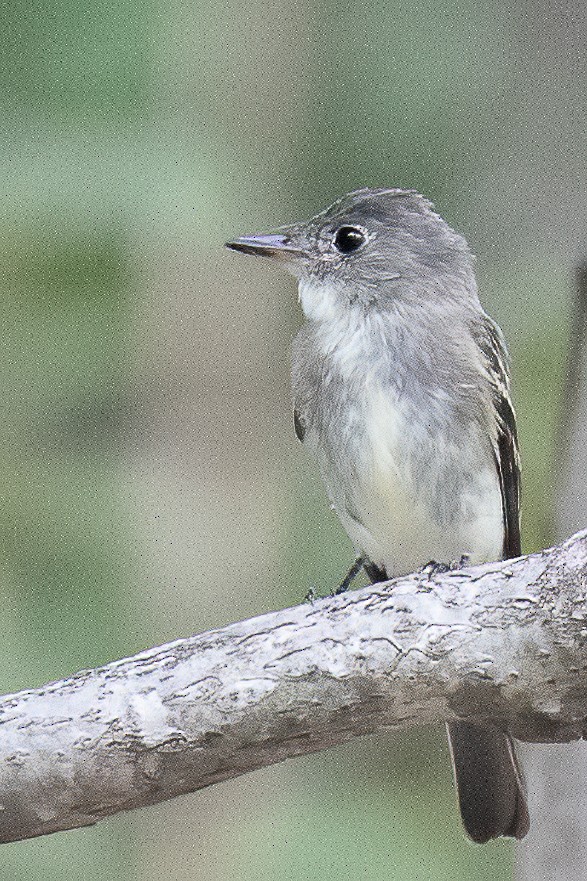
<point>400,534</point>
<point>401,510</point>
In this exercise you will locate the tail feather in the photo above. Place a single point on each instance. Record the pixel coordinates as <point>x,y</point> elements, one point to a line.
<point>489,783</point>
<point>490,786</point>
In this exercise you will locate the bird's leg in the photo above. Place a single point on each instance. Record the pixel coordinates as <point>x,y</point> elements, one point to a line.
<point>350,576</point>
<point>375,573</point>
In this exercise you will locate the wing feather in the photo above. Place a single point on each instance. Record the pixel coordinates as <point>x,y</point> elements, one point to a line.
<point>506,451</point>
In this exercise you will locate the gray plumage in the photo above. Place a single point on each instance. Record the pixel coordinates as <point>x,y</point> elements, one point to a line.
<point>401,392</point>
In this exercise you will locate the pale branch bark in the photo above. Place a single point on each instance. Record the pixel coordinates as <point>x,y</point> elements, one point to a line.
<point>503,642</point>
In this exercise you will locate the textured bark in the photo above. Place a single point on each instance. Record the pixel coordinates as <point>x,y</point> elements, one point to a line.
<point>503,641</point>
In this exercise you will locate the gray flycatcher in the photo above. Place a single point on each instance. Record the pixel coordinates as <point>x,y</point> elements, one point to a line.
<point>401,392</point>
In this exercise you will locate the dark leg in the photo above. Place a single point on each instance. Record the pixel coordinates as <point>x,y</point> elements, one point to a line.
<point>374,572</point>
<point>350,576</point>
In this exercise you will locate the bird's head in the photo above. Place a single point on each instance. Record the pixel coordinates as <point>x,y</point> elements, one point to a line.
<point>374,248</point>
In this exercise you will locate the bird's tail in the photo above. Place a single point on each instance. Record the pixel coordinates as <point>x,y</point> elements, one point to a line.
<point>490,786</point>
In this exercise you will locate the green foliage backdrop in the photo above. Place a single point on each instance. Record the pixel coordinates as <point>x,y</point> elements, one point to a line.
<point>150,482</point>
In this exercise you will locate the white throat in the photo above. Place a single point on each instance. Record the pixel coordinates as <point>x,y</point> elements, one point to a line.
<point>319,302</point>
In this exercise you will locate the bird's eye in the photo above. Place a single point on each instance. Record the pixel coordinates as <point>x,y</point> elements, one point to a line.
<point>348,239</point>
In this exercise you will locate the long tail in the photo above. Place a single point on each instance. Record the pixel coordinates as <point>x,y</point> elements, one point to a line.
<point>489,783</point>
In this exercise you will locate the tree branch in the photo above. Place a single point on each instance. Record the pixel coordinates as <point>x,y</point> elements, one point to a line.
<point>505,642</point>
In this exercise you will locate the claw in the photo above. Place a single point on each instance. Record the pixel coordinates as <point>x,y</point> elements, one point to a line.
<point>460,564</point>
<point>433,567</point>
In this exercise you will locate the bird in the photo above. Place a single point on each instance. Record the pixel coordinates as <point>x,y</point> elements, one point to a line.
<point>401,392</point>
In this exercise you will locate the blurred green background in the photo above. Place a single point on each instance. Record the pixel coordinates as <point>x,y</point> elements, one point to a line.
<point>151,485</point>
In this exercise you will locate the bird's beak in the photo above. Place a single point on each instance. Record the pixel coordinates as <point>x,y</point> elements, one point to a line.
<point>278,246</point>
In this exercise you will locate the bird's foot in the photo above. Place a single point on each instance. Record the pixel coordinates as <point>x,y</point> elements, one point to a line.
<point>433,567</point>
<point>464,561</point>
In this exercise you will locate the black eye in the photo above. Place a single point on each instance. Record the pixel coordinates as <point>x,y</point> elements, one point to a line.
<point>348,239</point>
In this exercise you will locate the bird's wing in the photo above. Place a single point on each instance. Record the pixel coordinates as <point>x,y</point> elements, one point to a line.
<point>490,784</point>
<point>506,452</point>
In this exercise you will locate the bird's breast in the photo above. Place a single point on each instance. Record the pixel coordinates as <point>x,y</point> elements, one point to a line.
<point>410,473</point>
